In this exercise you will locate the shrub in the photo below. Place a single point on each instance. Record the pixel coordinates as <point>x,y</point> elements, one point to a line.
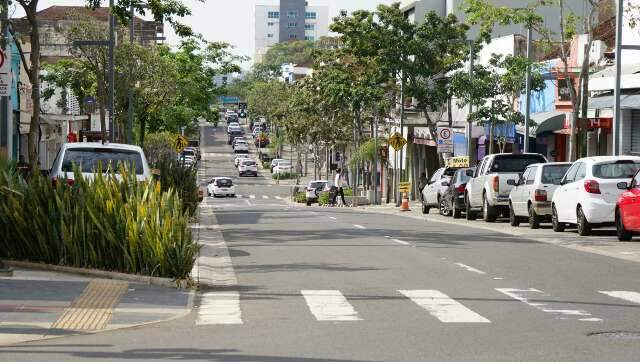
<point>184,180</point>
<point>266,165</point>
<point>107,223</point>
<point>284,175</point>
<point>300,197</point>
<point>158,146</point>
<point>323,198</point>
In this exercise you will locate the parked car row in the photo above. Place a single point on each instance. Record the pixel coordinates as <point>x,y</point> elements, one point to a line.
<point>589,193</point>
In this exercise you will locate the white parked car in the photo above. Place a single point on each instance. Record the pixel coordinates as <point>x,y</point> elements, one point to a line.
<point>530,197</point>
<point>588,192</point>
<point>248,167</point>
<point>221,186</point>
<point>432,193</point>
<point>283,166</point>
<point>89,156</point>
<point>313,187</point>
<point>274,162</point>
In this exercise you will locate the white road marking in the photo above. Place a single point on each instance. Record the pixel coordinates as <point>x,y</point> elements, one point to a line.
<point>219,308</point>
<point>444,308</point>
<point>387,236</point>
<point>400,241</point>
<point>252,196</point>
<point>525,296</point>
<point>239,196</point>
<point>498,278</point>
<point>332,218</point>
<point>627,252</point>
<point>265,197</point>
<point>249,202</point>
<point>329,305</point>
<point>278,198</point>
<point>471,269</point>
<point>623,294</point>
<point>359,226</point>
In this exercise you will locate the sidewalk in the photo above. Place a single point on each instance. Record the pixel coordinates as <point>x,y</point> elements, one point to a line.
<point>603,242</point>
<point>38,305</point>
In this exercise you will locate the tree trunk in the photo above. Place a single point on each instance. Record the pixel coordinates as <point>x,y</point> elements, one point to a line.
<point>101,101</point>
<point>34,130</point>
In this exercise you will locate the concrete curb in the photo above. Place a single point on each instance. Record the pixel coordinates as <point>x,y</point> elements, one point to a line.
<point>161,282</point>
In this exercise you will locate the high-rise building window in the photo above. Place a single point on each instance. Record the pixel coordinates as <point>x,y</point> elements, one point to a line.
<point>309,37</point>
<point>292,14</point>
<point>293,36</point>
<point>273,15</point>
<point>269,35</point>
<point>310,15</point>
<point>270,23</point>
<point>292,25</point>
<point>309,26</point>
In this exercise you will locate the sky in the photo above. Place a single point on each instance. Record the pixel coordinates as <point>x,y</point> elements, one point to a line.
<point>229,21</point>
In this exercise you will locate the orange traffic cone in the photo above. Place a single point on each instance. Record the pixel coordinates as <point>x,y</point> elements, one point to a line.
<point>405,203</point>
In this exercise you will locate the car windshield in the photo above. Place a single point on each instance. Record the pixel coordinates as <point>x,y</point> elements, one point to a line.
<point>616,169</point>
<point>224,182</point>
<point>91,159</point>
<point>514,163</point>
<point>188,153</point>
<point>249,163</point>
<point>552,174</point>
<point>462,175</point>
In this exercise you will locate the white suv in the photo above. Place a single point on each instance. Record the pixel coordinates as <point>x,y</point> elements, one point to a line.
<point>89,156</point>
<point>588,192</point>
<point>248,167</point>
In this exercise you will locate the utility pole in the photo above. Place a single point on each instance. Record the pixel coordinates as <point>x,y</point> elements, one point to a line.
<point>469,130</point>
<point>527,104</point>
<point>375,159</point>
<point>4,119</point>
<point>130,86</point>
<point>112,41</point>
<point>616,92</point>
<point>399,194</point>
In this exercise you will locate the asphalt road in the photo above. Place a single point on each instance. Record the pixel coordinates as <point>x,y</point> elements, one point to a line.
<point>325,284</point>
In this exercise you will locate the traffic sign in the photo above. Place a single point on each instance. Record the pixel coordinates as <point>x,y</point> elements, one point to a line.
<point>445,140</point>
<point>458,162</point>
<point>397,141</point>
<point>180,143</point>
<point>5,74</point>
<point>405,186</point>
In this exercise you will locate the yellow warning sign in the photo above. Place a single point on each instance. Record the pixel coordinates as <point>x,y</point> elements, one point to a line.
<point>405,186</point>
<point>397,141</point>
<point>180,143</point>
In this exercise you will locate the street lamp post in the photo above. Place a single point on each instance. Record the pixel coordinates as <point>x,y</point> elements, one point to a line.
<point>527,104</point>
<point>469,130</point>
<point>112,40</point>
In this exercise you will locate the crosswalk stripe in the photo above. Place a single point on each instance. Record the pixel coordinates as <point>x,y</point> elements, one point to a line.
<point>624,295</point>
<point>278,198</point>
<point>219,308</point>
<point>442,307</point>
<point>239,196</point>
<point>329,305</point>
<point>265,197</point>
<point>252,196</point>
<point>525,296</point>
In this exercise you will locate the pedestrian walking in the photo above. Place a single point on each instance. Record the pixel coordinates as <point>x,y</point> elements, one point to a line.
<point>339,182</point>
<point>422,183</point>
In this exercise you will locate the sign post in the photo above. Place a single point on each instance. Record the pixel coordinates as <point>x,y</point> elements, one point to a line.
<point>445,140</point>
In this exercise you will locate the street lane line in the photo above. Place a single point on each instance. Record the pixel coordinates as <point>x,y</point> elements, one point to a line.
<point>623,294</point>
<point>239,196</point>
<point>252,196</point>
<point>444,308</point>
<point>359,226</point>
<point>400,241</point>
<point>329,305</point>
<point>278,198</point>
<point>265,197</point>
<point>332,218</point>
<point>219,308</point>
<point>471,269</point>
<point>525,296</point>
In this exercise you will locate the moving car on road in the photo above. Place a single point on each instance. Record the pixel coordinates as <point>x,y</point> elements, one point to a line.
<point>452,200</point>
<point>239,157</point>
<point>241,147</point>
<point>89,157</point>
<point>313,189</point>
<point>628,209</point>
<point>247,168</point>
<point>589,191</point>
<point>488,190</point>
<point>431,194</point>
<point>221,186</point>
<point>531,195</point>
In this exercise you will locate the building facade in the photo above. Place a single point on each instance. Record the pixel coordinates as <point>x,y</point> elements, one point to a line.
<point>292,20</point>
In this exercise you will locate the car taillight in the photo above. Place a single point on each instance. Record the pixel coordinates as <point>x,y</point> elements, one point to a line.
<point>592,186</point>
<point>460,189</point>
<point>540,195</point>
<point>70,182</point>
<point>496,183</point>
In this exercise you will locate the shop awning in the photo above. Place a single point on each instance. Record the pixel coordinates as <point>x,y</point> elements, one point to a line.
<point>604,102</point>
<point>548,121</point>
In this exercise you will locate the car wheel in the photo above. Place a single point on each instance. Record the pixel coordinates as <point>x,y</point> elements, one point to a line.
<point>555,222</point>
<point>457,213</point>
<point>513,219</point>
<point>534,219</point>
<point>469,214</point>
<point>584,227</point>
<point>622,233</point>
<point>488,211</point>
<point>425,209</point>
<point>308,203</point>
<point>444,208</point>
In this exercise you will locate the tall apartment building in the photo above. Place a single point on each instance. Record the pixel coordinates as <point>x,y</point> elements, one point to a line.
<point>290,21</point>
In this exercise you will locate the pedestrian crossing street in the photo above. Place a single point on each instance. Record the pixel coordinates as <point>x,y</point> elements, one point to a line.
<point>224,307</point>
